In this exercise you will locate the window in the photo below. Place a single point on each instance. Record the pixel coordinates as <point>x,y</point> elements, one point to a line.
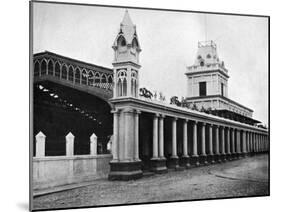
<point>222,89</point>
<point>202,89</point>
<point>208,56</point>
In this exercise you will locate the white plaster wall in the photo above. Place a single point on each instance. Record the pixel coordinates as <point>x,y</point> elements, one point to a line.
<point>54,171</point>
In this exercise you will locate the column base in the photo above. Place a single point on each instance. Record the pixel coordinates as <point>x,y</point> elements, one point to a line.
<point>125,170</point>
<point>184,161</point>
<point>203,160</point>
<point>211,159</point>
<point>173,163</point>
<point>223,157</point>
<point>158,165</point>
<point>228,156</point>
<point>217,158</point>
<point>194,160</point>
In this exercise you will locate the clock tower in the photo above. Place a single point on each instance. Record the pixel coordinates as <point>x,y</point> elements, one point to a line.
<point>126,60</point>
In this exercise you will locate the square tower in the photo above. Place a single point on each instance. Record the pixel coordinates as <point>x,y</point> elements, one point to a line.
<point>207,76</point>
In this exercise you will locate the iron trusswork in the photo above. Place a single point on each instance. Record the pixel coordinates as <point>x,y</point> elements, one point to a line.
<point>71,95</point>
<point>174,136</point>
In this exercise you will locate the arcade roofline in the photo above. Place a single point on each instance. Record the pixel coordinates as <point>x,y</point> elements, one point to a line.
<point>218,96</point>
<point>71,60</point>
<point>178,112</point>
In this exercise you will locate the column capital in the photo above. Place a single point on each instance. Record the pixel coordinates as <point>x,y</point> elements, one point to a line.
<point>156,115</point>
<point>162,115</point>
<point>175,118</point>
<point>137,111</point>
<point>117,111</point>
<point>128,110</point>
<point>203,123</point>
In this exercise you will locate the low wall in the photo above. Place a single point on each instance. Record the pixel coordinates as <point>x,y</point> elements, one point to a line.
<point>62,170</point>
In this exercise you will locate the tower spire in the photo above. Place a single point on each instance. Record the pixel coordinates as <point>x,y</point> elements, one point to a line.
<point>127,21</point>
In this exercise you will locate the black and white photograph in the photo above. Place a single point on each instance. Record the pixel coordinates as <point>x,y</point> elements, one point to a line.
<point>132,105</point>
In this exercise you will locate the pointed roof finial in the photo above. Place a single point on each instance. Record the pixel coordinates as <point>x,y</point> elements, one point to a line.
<point>127,20</point>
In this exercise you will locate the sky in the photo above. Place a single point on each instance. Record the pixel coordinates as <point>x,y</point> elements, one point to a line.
<point>168,40</point>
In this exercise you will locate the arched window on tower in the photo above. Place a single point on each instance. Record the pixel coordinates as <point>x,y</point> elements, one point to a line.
<point>121,41</point>
<point>64,72</point>
<point>57,70</point>
<point>119,87</point>
<point>43,67</point>
<point>36,69</point>
<point>124,87</point>
<point>121,83</point>
<point>51,68</point>
<point>134,83</point>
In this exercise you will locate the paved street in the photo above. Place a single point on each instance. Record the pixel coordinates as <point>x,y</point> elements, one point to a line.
<point>245,177</point>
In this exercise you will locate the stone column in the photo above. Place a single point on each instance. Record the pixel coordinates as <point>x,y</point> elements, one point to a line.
<point>185,157</point>
<point>194,152</point>
<point>223,144</point>
<point>238,142</point>
<point>115,145</point>
<point>185,147</point>
<point>174,141</point>
<point>69,138</point>
<point>203,144</point>
<point>211,153</point>
<point>248,142</point>
<point>40,139</point>
<point>243,142</point>
<point>93,144</point>
<point>127,166</point>
<point>233,142</point>
<point>136,156</point>
<point>161,137</point>
<point>228,142</point>
<point>155,137</point>
<point>217,145</point>
<point>173,162</point>
<point>158,161</point>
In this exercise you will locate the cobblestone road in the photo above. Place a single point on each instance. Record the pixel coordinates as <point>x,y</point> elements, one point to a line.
<point>245,177</point>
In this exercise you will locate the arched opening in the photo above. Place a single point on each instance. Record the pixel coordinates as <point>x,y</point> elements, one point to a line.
<point>121,41</point>
<point>133,87</point>
<point>84,77</point>
<point>77,76</point>
<point>103,78</point>
<point>110,79</point>
<point>50,67</point>
<point>97,78</point>
<point>64,72</point>
<point>91,78</point>
<point>43,67</point>
<point>70,74</point>
<point>57,70</point>
<point>124,87</point>
<point>119,88</point>
<point>36,69</point>
<point>135,43</point>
